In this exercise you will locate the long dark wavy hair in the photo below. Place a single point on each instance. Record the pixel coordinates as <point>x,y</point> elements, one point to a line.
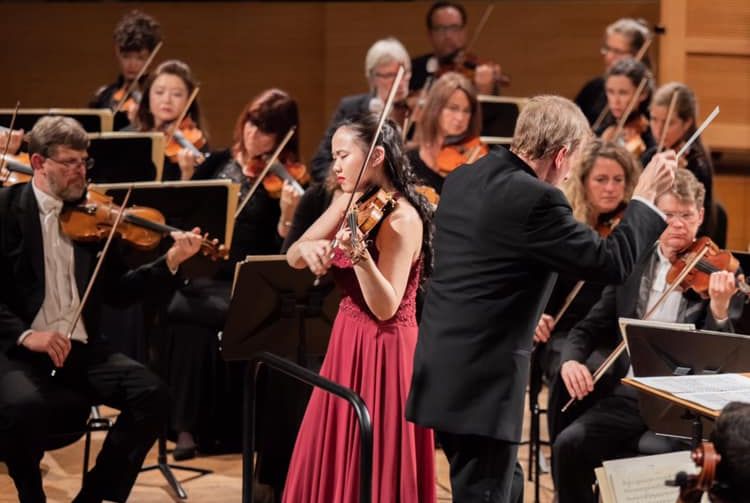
<point>399,172</point>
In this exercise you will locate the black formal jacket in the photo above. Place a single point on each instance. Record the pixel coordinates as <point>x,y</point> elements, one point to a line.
<point>500,233</point>
<point>22,271</point>
<point>600,326</point>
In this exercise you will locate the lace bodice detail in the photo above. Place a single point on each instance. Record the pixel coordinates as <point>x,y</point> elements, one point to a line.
<point>353,302</point>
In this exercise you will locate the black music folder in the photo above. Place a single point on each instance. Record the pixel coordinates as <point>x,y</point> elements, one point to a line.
<point>208,204</point>
<point>499,116</point>
<point>93,120</point>
<point>277,308</point>
<point>126,157</point>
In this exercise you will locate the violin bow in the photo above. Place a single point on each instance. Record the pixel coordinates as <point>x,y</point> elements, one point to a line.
<point>698,131</point>
<point>137,78</point>
<point>480,26</point>
<point>99,262</point>
<point>631,106</point>
<point>266,168</point>
<point>381,120</point>
<point>670,111</point>
<point>421,99</point>
<point>183,114</point>
<point>639,56</point>
<point>614,355</point>
<point>3,161</point>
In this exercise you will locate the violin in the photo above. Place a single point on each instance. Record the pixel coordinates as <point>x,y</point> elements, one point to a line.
<point>453,156</point>
<point>429,193</point>
<point>604,227</point>
<point>371,208</point>
<point>692,487</point>
<point>713,259</point>
<point>466,64</point>
<point>630,134</point>
<point>15,170</point>
<point>130,104</point>
<point>91,220</point>
<point>188,136</point>
<point>293,172</point>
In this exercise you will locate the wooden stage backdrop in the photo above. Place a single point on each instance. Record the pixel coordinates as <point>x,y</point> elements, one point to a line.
<point>57,54</point>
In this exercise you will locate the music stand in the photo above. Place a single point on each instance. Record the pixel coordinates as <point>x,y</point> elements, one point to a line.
<point>663,351</point>
<point>93,120</point>
<point>208,204</point>
<point>277,308</point>
<point>126,157</point>
<point>499,115</point>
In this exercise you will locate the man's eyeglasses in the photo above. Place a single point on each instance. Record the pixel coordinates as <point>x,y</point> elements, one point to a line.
<point>617,52</point>
<point>442,29</point>
<point>391,75</point>
<point>72,164</point>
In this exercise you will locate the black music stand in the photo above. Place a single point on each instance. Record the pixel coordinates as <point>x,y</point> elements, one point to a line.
<point>208,204</point>
<point>499,116</point>
<point>126,157</point>
<point>93,120</point>
<point>278,309</point>
<point>662,351</point>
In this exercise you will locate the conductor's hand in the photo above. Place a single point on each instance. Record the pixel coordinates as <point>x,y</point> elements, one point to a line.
<point>186,244</point>
<point>657,177</point>
<point>544,329</point>
<point>317,255</point>
<point>577,379</point>
<point>55,344</point>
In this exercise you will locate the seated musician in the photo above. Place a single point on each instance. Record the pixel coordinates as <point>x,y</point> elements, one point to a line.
<point>381,64</point>
<point>611,427</point>
<point>44,276</point>
<point>446,29</point>
<point>731,437</point>
<point>682,125</point>
<point>136,35</point>
<point>622,39</point>
<point>621,83</point>
<point>165,96</point>
<point>598,190</point>
<point>195,371</point>
<point>448,130</point>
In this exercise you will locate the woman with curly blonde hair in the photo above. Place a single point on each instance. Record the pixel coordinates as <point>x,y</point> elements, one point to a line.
<point>598,188</point>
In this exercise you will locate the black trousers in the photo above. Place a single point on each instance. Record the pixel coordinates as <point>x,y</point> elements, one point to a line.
<point>610,429</point>
<point>482,469</point>
<point>28,416</point>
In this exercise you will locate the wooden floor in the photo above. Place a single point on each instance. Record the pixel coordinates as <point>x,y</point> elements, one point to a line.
<point>62,477</point>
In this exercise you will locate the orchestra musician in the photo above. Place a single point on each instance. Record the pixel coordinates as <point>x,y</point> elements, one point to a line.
<point>598,190</point>
<point>682,125</point>
<point>612,426</point>
<point>501,229</point>
<point>195,371</point>
<point>447,131</point>
<point>731,437</point>
<point>621,83</point>
<point>135,36</point>
<point>165,95</point>
<point>374,333</point>
<point>44,275</point>
<point>446,29</point>
<point>622,39</point>
<point>381,65</point>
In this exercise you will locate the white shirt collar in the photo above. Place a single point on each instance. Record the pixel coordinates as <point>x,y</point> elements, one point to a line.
<point>47,203</point>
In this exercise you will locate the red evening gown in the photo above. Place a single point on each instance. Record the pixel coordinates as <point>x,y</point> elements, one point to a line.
<point>373,358</point>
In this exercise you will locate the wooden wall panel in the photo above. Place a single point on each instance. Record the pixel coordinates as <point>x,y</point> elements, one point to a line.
<point>59,53</point>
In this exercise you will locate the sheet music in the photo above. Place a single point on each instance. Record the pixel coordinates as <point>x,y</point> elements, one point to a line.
<point>711,383</point>
<point>709,391</point>
<point>641,479</point>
